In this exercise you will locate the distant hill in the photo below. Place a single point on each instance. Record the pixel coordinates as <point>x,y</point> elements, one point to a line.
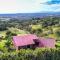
<point>30,15</point>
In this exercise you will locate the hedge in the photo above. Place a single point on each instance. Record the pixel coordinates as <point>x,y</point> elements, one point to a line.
<point>37,54</point>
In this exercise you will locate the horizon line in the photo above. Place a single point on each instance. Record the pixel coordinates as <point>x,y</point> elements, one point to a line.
<point>29,12</point>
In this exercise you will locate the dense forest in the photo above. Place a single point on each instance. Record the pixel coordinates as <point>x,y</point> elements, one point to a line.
<point>48,27</point>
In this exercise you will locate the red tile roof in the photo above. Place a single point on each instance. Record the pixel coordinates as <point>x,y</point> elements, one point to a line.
<point>24,40</point>
<point>28,39</point>
<point>47,42</point>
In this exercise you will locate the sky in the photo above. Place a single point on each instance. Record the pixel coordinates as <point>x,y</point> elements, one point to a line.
<point>29,6</point>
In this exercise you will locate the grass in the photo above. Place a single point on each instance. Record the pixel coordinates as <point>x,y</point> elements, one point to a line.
<point>58,44</point>
<point>35,27</point>
<point>2,44</point>
<point>3,33</point>
<point>17,31</point>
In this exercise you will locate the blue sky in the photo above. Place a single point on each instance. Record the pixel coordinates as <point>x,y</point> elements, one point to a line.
<point>29,6</point>
<point>53,2</point>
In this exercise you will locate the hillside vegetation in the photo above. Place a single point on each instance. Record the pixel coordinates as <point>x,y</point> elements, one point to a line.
<point>48,27</point>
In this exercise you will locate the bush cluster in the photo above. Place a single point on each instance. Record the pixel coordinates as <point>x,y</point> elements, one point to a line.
<point>37,54</point>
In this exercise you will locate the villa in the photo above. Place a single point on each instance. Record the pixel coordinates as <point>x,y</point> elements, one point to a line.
<point>32,41</point>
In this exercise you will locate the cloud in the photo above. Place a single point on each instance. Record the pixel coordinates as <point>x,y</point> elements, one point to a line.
<point>8,6</point>
<point>51,6</point>
<point>27,6</point>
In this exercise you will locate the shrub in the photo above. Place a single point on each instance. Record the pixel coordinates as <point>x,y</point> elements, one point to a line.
<point>37,54</point>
